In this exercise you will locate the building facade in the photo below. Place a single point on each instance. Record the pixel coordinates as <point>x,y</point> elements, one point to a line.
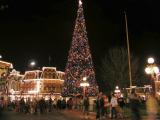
<point>5,68</point>
<point>42,83</point>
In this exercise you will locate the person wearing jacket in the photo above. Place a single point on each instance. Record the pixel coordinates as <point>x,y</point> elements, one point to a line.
<point>113,104</point>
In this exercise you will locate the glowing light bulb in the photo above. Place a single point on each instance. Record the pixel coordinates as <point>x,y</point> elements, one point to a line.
<point>150,60</point>
<point>33,63</point>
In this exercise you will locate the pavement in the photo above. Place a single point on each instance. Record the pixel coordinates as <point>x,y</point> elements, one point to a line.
<point>59,115</point>
<point>55,115</point>
<point>79,114</point>
<point>75,114</point>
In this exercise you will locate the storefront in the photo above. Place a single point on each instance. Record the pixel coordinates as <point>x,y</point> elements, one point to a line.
<point>5,68</point>
<point>42,83</point>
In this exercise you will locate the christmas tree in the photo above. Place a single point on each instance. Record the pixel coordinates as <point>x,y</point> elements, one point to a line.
<point>79,63</point>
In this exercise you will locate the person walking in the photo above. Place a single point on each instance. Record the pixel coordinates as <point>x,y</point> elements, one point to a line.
<point>152,107</point>
<point>99,106</point>
<point>86,107</point>
<point>134,105</point>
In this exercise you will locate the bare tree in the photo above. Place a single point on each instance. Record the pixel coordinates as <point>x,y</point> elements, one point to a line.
<point>114,70</point>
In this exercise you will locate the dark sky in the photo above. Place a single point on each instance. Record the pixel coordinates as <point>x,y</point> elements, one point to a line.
<point>37,29</point>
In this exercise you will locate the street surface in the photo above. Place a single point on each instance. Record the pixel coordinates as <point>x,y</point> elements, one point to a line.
<point>57,115</point>
<point>47,116</point>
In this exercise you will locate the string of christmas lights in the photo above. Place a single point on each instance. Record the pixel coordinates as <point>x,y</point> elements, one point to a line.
<point>79,63</point>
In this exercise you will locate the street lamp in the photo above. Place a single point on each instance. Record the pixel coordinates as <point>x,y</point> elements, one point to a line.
<point>153,70</point>
<point>0,56</point>
<point>32,64</point>
<point>84,84</point>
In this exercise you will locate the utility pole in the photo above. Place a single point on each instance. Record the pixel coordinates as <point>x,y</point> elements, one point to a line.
<point>128,49</point>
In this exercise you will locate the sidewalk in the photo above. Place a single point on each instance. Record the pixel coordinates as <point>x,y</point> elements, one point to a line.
<point>92,115</point>
<point>79,114</point>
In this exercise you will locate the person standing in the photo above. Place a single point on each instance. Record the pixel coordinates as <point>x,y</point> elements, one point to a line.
<point>42,105</point>
<point>99,106</point>
<point>50,104</point>
<point>1,104</point>
<point>86,107</point>
<point>134,105</point>
<point>106,105</point>
<point>113,104</point>
<point>121,102</point>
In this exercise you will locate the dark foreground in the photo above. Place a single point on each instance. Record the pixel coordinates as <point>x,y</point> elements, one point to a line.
<point>56,115</point>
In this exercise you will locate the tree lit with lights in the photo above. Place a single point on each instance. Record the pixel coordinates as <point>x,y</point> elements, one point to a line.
<point>79,63</point>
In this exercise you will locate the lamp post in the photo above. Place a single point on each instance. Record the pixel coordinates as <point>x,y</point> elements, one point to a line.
<point>32,64</point>
<point>153,70</point>
<point>84,84</point>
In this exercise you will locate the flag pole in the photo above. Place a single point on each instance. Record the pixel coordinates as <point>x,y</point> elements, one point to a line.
<point>128,49</point>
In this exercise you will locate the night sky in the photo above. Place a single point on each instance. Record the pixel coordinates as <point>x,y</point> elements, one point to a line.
<point>37,29</point>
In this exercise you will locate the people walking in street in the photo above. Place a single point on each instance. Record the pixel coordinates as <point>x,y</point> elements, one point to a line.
<point>70,103</point>
<point>63,104</point>
<point>50,105</point>
<point>27,106</point>
<point>22,105</point>
<point>99,106</point>
<point>113,104</point>
<point>1,104</point>
<point>35,105</point>
<point>86,107</point>
<point>134,105</point>
<point>121,102</point>
<point>42,105</point>
<point>106,105</point>
<point>152,107</point>
<point>54,103</point>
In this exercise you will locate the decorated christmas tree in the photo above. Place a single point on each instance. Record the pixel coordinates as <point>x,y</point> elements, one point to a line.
<point>79,63</point>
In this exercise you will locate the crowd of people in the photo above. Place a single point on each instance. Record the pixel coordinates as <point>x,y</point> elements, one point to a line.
<point>109,106</point>
<point>34,106</point>
<point>113,106</point>
<point>105,106</point>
